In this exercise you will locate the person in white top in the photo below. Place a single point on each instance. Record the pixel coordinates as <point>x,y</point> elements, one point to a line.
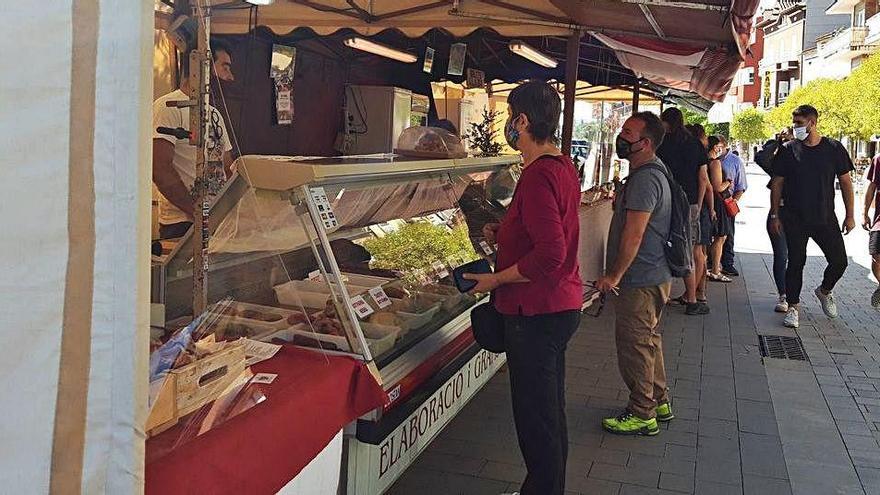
<point>174,160</point>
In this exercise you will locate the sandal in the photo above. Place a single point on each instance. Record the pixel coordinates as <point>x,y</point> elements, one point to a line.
<point>680,301</point>
<point>719,278</point>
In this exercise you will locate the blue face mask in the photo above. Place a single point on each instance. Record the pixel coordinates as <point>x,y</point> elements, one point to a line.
<point>511,134</point>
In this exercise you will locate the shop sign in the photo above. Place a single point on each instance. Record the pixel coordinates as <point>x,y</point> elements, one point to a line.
<point>378,466</point>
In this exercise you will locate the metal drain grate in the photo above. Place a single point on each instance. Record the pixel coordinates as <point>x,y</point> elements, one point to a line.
<point>779,347</point>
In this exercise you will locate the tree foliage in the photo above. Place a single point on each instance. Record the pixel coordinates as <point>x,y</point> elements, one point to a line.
<point>847,107</point>
<point>692,117</point>
<point>748,126</point>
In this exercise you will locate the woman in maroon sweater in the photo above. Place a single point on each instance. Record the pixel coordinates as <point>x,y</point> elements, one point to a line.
<point>537,283</point>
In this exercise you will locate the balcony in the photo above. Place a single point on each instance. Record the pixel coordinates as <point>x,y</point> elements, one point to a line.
<point>873,25</point>
<point>846,44</point>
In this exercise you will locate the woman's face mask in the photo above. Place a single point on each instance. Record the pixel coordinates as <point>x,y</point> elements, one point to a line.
<point>511,134</point>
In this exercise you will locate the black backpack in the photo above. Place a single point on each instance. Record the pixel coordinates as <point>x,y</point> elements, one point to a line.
<point>679,249</point>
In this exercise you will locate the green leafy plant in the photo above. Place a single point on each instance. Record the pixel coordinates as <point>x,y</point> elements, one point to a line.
<point>748,126</point>
<point>419,244</point>
<point>482,136</point>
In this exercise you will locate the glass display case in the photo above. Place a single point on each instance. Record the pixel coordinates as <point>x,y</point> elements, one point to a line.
<point>347,255</point>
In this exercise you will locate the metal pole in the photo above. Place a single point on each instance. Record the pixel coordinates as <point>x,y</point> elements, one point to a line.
<point>199,82</point>
<point>571,77</point>
<point>636,94</point>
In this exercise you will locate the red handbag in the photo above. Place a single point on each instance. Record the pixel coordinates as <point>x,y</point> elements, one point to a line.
<point>732,207</point>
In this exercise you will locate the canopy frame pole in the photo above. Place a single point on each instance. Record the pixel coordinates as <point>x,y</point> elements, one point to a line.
<point>678,4</point>
<point>572,60</point>
<point>649,16</point>
<point>567,25</point>
<point>199,82</point>
<point>636,94</point>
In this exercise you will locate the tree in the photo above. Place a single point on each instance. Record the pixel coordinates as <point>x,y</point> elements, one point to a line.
<point>748,126</point>
<point>692,117</point>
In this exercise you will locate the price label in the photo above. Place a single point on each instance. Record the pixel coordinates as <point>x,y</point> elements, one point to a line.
<point>440,269</point>
<point>381,298</point>
<point>360,307</point>
<point>486,248</point>
<point>319,197</point>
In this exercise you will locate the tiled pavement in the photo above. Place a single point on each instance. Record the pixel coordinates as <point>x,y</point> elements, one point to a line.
<point>742,426</point>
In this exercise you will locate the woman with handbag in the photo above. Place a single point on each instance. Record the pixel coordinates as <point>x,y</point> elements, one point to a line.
<point>724,221</point>
<point>537,285</point>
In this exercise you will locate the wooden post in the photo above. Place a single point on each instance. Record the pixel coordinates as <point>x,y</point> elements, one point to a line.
<point>636,91</point>
<point>572,59</point>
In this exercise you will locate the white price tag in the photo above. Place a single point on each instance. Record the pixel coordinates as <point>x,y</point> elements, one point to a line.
<point>315,276</point>
<point>380,297</point>
<point>264,378</point>
<point>486,248</point>
<point>360,307</point>
<point>440,269</point>
<point>328,218</point>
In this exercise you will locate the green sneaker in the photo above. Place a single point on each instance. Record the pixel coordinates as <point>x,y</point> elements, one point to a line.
<point>664,413</point>
<point>629,424</point>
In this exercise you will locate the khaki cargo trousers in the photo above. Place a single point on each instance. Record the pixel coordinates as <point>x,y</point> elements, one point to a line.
<point>640,346</point>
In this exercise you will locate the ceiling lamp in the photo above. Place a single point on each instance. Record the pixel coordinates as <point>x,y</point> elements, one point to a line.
<point>523,50</point>
<point>260,2</point>
<point>379,49</point>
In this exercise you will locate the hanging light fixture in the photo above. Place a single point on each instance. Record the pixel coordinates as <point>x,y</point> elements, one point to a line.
<point>386,51</point>
<point>526,51</point>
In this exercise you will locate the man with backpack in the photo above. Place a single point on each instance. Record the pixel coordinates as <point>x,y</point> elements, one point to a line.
<point>647,245</point>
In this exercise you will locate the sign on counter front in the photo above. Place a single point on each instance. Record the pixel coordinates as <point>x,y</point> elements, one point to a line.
<point>376,467</point>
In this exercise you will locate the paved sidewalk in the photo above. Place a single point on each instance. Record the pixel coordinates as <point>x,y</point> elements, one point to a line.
<point>744,424</point>
<point>720,415</point>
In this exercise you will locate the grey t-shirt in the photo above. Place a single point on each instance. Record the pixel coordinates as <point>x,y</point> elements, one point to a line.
<point>646,189</point>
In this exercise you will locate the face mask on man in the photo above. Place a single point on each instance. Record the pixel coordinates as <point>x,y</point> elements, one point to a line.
<point>801,133</point>
<point>511,134</point>
<point>624,147</point>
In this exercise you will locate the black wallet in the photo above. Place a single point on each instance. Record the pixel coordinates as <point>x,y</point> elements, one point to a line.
<point>478,266</point>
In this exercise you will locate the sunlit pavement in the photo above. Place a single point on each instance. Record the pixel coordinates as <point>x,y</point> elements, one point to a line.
<point>744,424</point>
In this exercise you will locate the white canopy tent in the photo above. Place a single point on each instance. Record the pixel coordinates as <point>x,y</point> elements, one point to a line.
<point>75,103</point>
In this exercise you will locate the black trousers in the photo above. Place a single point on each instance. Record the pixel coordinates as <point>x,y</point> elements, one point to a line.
<point>830,241</point>
<point>536,362</point>
<point>727,256</point>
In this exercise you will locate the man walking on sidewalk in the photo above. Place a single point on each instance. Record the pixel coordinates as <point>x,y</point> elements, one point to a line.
<point>872,196</point>
<point>735,171</point>
<point>640,275</point>
<point>803,181</point>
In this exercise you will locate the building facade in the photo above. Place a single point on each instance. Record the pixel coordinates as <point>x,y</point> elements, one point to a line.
<point>843,49</point>
<point>792,29</point>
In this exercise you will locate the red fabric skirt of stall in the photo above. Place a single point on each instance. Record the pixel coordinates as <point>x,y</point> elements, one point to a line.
<point>262,449</point>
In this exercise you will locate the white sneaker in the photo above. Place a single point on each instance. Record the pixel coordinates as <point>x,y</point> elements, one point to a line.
<point>781,304</point>
<point>792,319</point>
<point>828,304</point>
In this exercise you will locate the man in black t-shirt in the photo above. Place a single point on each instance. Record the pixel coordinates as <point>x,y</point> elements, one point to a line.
<point>803,181</point>
<point>688,161</point>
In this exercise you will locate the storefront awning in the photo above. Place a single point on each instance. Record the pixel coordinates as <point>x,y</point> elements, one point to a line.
<point>694,46</point>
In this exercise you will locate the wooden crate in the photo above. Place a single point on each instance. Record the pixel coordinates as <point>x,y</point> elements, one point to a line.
<point>190,387</point>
